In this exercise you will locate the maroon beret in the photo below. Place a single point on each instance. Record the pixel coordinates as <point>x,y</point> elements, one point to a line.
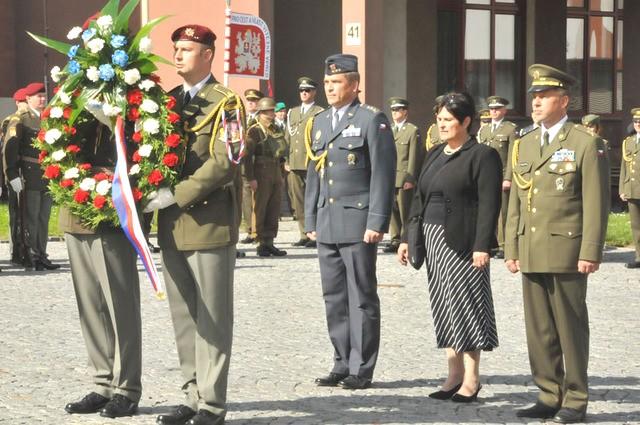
<point>20,96</point>
<point>33,89</point>
<point>197,33</point>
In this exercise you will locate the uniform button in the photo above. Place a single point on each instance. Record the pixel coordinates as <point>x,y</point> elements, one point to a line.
<point>569,233</point>
<point>349,145</point>
<point>533,229</point>
<point>447,200</point>
<point>331,200</point>
<point>330,145</point>
<point>633,179</point>
<point>330,164</point>
<point>330,181</point>
<point>205,202</point>
<point>535,190</point>
<point>359,204</point>
<point>296,150</point>
<point>534,210</point>
<point>448,210</point>
<point>537,173</point>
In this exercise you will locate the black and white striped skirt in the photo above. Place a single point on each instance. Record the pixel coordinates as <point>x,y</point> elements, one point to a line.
<point>460,295</point>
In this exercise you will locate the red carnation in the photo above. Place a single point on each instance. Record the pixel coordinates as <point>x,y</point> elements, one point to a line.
<point>171,102</point>
<point>43,155</point>
<point>133,114</point>
<point>155,177</point>
<point>66,113</point>
<point>136,157</point>
<point>137,137</point>
<point>101,176</point>
<point>81,196</point>
<point>85,166</point>
<point>41,134</point>
<point>155,78</point>
<point>52,172</point>
<point>73,149</point>
<point>170,159</point>
<point>137,194</point>
<point>172,140</point>
<point>45,113</point>
<point>77,92</point>
<point>134,97</point>
<point>56,89</point>
<point>69,130</point>
<point>99,201</point>
<point>173,117</point>
<point>66,183</point>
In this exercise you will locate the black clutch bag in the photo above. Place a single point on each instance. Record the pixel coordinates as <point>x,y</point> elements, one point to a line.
<point>415,240</point>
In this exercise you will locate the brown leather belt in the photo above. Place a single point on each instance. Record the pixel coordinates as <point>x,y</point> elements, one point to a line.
<point>29,159</point>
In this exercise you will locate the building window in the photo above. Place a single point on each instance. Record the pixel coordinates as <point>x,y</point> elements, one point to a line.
<point>483,53</point>
<point>594,54</point>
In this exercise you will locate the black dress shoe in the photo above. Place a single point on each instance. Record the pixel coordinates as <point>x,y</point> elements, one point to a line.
<point>311,244</point>
<point>204,417</point>
<point>633,265</point>
<point>537,411</point>
<point>301,242</point>
<point>119,406</point>
<point>445,395</point>
<point>499,254</point>
<point>331,380</point>
<point>240,254</point>
<point>153,248</point>
<point>91,403</point>
<point>353,382</point>
<point>180,417</point>
<point>569,416</point>
<point>262,251</point>
<point>45,264</point>
<point>459,398</point>
<point>248,240</point>
<point>391,248</point>
<point>275,251</point>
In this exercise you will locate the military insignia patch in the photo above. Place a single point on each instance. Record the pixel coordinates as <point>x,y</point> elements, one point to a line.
<point>552,167</point>
<point>12,132</point>
<point>190,32</point>
<point>560,184</point>
<point>352,159</point>
<point>318,134</point>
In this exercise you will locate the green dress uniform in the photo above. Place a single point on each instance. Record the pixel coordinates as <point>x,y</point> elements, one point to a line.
<point>433,137</point>
<point>198,236</point>
<point>248,215</point>
<point>557,216</point>
<point>630,184</point>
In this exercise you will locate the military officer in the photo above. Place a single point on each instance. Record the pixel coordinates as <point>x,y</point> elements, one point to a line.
<point>409,158</point>
<point>499,135</point>
<point>252,96</point>
<point>24,173</point>
<point>630,183</point>
<point>485,118</point>
<point>348,199</point>
<point>263,165</point>
<point>296,164</point>
<point>556,226</point>
<point>198,231</point>
<point>433,134</point>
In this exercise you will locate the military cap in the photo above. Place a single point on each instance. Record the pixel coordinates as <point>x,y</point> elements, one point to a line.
<point>340,64</point>
<point>280,106</point>
<point>494,102</point>
<point>484,115</point>
<point>546,77</point>
<point>635,113</point>
<point>591,120</point>
<point>33,89</point>
<point>253,94</point>
<point>197,33</point>
<point>398,102</point>
<point>20,96</point>
<point>306,83</point>
<point>266,104</point>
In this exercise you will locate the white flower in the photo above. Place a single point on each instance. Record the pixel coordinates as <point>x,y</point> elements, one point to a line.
<point>58,155</point>
<point>145,45</point>
<point>151,125</point>
<point>95,45</point>
<point>71,173</point>
<point>111,110</point>
<point>135,169</point>
<point>74,33</point>
<point>56,74</point>
<point>56,112</point>
<point>93,74</point>
<point>64,97</point>
<point>103,187</point>
<point>51,136</point>
<point>149,106</point>
<point>131,76</point>
<point>105,22</point>
<point>152,195</point>
<point>145,151</point>
<point>87,184</point>
<point>137,126</point>
<point>146,85</point>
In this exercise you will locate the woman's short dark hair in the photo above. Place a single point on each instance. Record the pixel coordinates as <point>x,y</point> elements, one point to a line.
<point>460,105</point>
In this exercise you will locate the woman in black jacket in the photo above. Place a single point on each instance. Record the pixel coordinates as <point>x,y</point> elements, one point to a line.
<point>458,198</point>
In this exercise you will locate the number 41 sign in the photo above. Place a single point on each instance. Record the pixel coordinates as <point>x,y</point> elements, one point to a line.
<point>353,34</point>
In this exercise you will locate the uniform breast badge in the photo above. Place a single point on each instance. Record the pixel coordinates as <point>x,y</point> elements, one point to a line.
<point>318,134</point>
<point>560,184</point>
<point>352,159</point>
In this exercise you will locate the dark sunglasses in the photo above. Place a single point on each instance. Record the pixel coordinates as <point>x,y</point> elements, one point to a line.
<point>304,90</point>
<point>636,121</point>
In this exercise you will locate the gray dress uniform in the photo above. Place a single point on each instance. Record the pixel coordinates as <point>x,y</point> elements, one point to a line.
<point>350,189</point>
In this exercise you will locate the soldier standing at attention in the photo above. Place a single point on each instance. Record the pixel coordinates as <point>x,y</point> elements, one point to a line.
<point>500,135</point>
<point>433,134</point>
<point>23,172</point>
<point>281,116</point>
<point>198,231</point>
<point>296,164</point>
<point>630,183</point>
<point>556,225</point>
<point>348,199</point>
<point>263,165</point>
<point>252,96</point>
<point>409,158</point>
<point>485,118</point>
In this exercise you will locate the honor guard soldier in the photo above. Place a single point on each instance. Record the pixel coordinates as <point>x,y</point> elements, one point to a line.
<point>348,199</point>
<point>263,165</point>
<point>433,134</point>
<point>630,183</point>
<point>252,96</point>
<point>281,116</point>
<point>500,134</point>
<point>296,164</point>
<point>592,123</point>
<point>198,231</point>
<point>557,220</point>
<point>24,173</point>
<point>485,118</point>
<point>409,156</point>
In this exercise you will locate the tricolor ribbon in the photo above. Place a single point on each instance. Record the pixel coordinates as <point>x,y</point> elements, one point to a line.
<point>127,213</point>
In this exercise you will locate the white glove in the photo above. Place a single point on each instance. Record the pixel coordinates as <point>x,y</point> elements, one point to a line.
<point>16,185</point>
<point>163,199</point>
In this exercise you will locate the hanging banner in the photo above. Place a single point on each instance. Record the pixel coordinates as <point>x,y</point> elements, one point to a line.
<point>248,47</point>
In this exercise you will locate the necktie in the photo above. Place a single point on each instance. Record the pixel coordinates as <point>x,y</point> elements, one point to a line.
<point>187,98</point>
<point>493,127</point>
<point>545,141</point>
<point>336,118</point>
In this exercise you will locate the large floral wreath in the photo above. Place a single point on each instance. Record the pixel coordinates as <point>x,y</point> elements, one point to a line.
<point>108,74</point>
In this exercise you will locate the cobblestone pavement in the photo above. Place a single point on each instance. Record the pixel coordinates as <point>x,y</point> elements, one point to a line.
<point>281,345</point>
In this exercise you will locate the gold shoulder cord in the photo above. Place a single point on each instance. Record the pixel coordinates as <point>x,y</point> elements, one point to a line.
<point>521,182</point>
<point>320,159</point>
<point>428,141</point>
<point>627,158</point>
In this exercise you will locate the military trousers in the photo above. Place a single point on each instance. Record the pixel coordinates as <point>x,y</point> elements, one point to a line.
<point>399,213</point>
<point>38,206</point>
<point>297,180</point>
<point>350,291</point>
<point>557,328</point>
<point>18,244</point>
<point>200,292</point>
<point>248,215</point>
<point>268,200</point>
<point>502,218</point>
<point>105,280</point>
<point>634,217</point>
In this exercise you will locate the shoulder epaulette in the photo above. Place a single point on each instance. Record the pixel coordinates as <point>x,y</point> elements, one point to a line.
<point>524,131</point>
<point>224,90</point>
<point>370,108</point>
<point>509,123</point>
<point>582,128</point>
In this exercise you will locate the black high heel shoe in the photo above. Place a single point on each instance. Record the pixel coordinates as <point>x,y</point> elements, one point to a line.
<point>459,398</point>
<point>445,395</point>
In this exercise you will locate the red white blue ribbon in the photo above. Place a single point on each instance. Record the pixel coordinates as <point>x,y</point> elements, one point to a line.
<point>126,208</point>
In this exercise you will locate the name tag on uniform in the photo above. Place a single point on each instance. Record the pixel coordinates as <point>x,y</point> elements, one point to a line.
<point>563,155</point>
<point>351,132</point>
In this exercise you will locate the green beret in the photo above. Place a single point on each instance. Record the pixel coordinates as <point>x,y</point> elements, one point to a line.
<point>280,106</point>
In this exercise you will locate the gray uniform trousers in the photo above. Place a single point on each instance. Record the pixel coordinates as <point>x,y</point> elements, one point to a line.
<point>297,182</point>
<point>200,291</point>
<point>349,288</point>
<point>634,217</point>
<point>38,212</point>
<point>105,279</point>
